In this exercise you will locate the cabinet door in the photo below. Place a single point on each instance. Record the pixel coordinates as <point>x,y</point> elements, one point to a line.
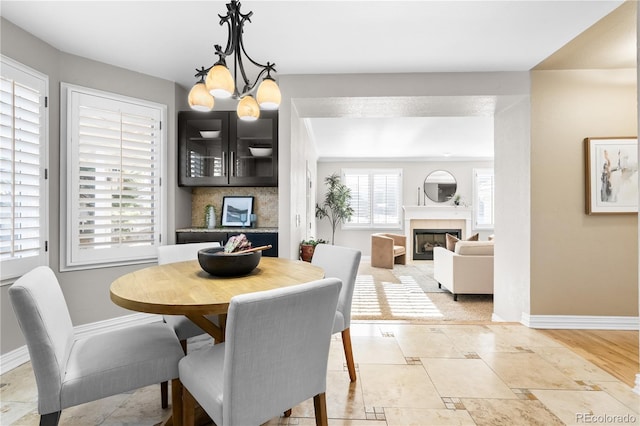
<point>253,150</point>
<point>203,148</point>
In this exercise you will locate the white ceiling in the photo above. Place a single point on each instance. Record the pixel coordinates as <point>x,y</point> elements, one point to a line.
<point>169,39</point>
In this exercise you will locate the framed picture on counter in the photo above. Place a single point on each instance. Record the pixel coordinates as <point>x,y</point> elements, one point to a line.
<point>237,210</point>
<point>611,180</point>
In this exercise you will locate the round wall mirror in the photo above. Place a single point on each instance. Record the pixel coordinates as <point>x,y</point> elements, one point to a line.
<point>440,186</point>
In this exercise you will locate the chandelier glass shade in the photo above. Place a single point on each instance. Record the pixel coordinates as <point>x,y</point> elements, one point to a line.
<point>199,98</point>
<point>218,82</point>
<point>248,109</point>
<point>268,95</point>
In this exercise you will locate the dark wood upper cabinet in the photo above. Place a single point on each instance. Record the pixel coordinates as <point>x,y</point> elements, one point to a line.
<point>218,149</point>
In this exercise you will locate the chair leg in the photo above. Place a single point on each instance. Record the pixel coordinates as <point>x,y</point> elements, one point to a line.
<point>50,419</point>
<point>348,353</point>
<point>320,407</point>
<point>164,386</point>
<point>164,394</point>
<point>188,408</point>
<point>176,401</point>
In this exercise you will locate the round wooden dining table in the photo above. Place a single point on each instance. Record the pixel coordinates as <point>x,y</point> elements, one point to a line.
<point>184,288</point>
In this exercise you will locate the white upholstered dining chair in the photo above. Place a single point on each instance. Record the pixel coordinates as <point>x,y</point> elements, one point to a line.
<point>182,326</point>
<point>70,371</point>
<point>274,356</point>
<point>341,262</point>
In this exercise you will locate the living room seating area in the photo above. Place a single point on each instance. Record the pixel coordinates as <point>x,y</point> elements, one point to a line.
<point>468,269</point>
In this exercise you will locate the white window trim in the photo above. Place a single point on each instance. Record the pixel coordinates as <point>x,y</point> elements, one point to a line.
<point>15,268</point>
<point>476,202</point>
<point>373,226</point>
<point>66,91</point>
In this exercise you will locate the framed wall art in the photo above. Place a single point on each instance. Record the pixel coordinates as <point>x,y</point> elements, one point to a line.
<point>611,175</point>
<point>237,210</point>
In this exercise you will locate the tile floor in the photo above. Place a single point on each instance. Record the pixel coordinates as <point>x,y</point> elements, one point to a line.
<point>408,374</point>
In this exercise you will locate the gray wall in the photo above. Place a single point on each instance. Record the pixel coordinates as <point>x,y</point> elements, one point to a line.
<point>87,292</point>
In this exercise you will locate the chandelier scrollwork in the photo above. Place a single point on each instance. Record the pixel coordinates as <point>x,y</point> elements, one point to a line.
<point>218,82</point>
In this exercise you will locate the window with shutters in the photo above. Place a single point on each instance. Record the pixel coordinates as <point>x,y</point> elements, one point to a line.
<point>376,197</point>
<point>483,195</point>
<point>113,178</point>
<point>23,164</point>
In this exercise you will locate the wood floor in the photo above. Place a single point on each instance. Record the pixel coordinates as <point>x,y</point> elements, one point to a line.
<point>615,351</point>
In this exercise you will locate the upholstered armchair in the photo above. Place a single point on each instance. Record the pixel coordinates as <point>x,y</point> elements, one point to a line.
<point>387,249</point>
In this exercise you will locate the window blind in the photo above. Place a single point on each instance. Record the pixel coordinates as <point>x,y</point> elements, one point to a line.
<point>484,198</point>
<point>114,179</point>
<point>386,197</point>
<point>23,209</point>
<point>376,196</point>
<point>360,197</point>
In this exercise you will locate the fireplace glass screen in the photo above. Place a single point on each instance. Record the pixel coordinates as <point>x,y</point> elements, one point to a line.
<point>424,240</point>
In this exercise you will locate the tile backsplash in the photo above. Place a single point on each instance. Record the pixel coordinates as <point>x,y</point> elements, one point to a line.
<point>265,204</point>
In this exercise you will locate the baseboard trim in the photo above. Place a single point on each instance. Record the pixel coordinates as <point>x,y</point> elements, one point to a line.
<point>580,322</point>
<point>19,356</point>
<point>13,359</point>
<point>637,388</point>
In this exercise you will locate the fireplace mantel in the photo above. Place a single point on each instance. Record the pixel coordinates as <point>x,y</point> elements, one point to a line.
<point>436,213</point>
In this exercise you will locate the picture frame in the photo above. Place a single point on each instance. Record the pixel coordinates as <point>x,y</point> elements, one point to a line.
<point>611,175</point>
<point>237,210</point>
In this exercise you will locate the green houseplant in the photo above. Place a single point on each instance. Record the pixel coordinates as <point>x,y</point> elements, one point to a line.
<point>336,205</point>
<point>308,246</point>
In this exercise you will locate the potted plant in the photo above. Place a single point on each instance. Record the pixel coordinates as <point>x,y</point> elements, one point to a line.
<point>336,205</point>
<point>457,201</point>
<point>308,246</point>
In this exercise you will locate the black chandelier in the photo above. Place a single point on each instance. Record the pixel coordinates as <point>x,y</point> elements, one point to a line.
<point>217,81</point>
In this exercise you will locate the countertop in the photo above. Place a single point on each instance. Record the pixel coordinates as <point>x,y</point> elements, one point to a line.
<point>229,229</point>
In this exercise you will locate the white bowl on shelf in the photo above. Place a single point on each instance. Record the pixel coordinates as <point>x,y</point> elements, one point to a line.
<point>210,133</point>
<point>260,152</point>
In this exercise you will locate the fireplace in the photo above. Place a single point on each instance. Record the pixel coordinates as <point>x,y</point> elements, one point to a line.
<point>424,240</point>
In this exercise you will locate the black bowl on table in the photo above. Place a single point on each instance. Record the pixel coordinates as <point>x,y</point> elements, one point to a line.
<point>216,262</point>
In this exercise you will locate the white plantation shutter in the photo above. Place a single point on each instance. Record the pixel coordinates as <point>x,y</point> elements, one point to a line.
<point>358,183</point>
<point>386,198</point>
<point>376,197</point>
<point>23,162</point>
<point>114,175</point>
<point>483,189</point>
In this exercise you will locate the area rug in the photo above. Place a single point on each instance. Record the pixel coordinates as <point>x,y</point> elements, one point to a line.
<point>409,293</point>
<point>421,273</point>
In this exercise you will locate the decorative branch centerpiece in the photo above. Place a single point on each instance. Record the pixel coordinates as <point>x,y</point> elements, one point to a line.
<point>236,258</point>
